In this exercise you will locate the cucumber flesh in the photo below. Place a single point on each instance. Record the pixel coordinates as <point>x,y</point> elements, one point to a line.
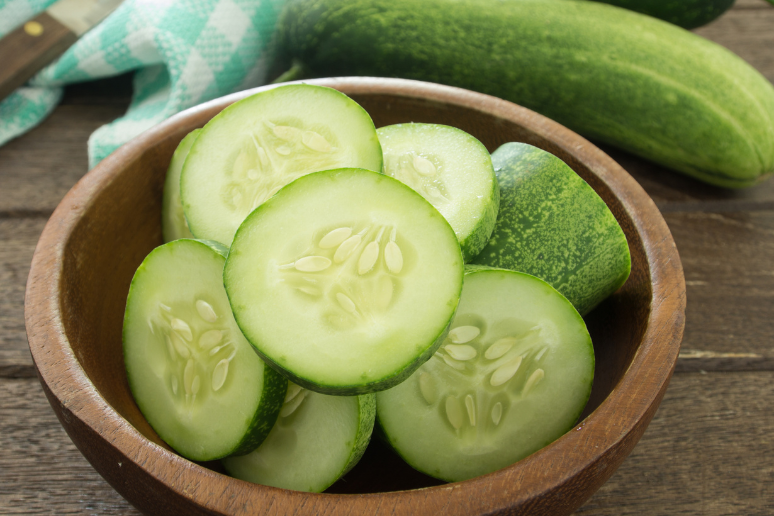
<point>452,170</point>
<point>513,375</point>
<point>553,225</point>
<point>194,377</point>
<point>346,280</point>
<point>254,147</point>
<point>173,223</point>
<point>316,440</point>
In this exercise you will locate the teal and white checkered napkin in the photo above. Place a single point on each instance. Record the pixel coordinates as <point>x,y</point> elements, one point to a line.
<point>185,52</point>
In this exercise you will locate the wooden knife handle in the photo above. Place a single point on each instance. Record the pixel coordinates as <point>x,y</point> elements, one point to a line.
<point>29,48</point>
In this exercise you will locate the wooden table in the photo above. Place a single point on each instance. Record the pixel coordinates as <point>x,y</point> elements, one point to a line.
<point>710,448</point>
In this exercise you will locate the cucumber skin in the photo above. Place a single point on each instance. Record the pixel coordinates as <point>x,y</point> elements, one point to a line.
<point>688,14</point>
<point>612,75</point>
<point>275,386</point>
<point>366,405</point>
<point>543,228</point>
<point>171,200</point>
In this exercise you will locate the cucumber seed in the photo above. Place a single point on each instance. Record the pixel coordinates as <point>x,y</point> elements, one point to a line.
<point>533,380</point>
<point>463,334</point>
<point>471,407</point>
<point>505,372</point>
<point>424,166</point>
<point>219,374</point>
<point>499,348</point>
<point>206,311</point>
<point>346,248</point>
<point>315,141</point>
<point>454,412</point>
<point>368,258</point>
<point>182,328</point>
<point>335,238</point>
<point>460,351</point>
<point>497,413</point>
<point>312,264</point>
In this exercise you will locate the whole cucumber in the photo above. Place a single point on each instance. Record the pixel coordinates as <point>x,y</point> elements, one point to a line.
<point>612,75</point>
<point>688,14</point>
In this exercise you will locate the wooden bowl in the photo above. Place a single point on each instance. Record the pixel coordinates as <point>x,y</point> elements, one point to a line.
<point>110,220</point>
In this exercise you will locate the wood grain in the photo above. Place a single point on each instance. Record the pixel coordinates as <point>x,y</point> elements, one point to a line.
<point>18,237</point>
<point>729,273</point>
<point>706,453</point>
<point>39,167</point>
<point>41,471</point>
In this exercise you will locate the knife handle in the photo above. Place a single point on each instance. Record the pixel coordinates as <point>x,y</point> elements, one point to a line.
<point>30,47</point>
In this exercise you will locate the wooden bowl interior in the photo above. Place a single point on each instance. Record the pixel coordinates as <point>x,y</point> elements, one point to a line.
<point>123,224</point>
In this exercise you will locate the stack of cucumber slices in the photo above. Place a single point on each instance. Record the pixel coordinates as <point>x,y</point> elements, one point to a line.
<point>314,282</point>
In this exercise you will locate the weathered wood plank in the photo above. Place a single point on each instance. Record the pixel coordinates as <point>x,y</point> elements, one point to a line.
<point>38,168</point>
<point>729,272</point>
<point>707,452</point>
<point>41,471</point>
<point>18,237</point>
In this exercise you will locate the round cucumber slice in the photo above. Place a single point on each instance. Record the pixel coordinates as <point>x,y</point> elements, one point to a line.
<point>173,223</point>
<point>346,280</point>
<point>452,170</point>
<point>316,440</point>
<point>553,225</point>
<point>254,147</point>
<point>194,377</point>
<point>513,375</point>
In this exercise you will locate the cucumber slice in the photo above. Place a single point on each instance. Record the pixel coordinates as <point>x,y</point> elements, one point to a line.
<point>514,375</point>
<point>553,225</point>
<point>346,280</point>
<point>452,170</point>
<point>173,223</point>
<point>193,375</point>
<point>254,147</point>
<point>316,440</point>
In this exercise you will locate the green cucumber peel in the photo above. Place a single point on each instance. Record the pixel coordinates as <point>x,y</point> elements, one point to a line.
<point>554,226</point>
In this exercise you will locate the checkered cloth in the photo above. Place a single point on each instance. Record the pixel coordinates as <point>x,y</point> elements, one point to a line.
<point>184,52</point>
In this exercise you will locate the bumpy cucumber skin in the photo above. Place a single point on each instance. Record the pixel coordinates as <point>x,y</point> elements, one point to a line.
<point>554,226</point>
<point>381,432</point>
<point>171,204</point>
<point>474,242</point>
<point>688,14</point>
<point>366,405</point>
<point>612,75</point>
<point>275,386</point>
<point>363,388</point>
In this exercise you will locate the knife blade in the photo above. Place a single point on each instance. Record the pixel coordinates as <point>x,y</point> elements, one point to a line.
<point>34,44</point>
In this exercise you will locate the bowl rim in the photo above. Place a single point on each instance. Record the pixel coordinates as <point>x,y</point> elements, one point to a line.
<point>73,395</point>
